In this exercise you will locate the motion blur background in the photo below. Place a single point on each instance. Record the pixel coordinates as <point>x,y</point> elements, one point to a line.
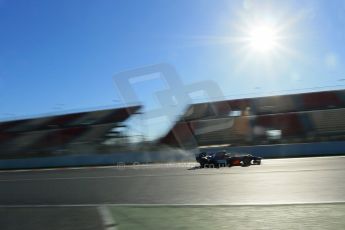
<point>63,65</point>
<point>117,85</point>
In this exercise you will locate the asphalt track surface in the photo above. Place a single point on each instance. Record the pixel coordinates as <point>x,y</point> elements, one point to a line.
<point>72,196</point>
<point>278,181</point>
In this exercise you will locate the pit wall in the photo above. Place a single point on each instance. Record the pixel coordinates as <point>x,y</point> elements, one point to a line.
<point>175,155</point>
<point>290,150</point>
<point>118,159</point>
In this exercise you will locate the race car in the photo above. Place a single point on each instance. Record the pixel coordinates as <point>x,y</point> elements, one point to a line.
<point>222,159</point>
<point>244,160</point>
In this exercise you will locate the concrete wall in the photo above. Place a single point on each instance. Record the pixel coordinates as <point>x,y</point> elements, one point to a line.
<point>167,155</point>
<point>292,150</point>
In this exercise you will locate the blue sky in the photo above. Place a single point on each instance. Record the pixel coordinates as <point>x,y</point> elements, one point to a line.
<point>62,55</point>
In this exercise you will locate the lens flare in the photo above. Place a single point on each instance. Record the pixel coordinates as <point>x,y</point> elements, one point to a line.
<point>263,38</point>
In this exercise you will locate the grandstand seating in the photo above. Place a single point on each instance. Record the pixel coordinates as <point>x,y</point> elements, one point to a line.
<point>321,100</point>
<point>56,138</point>
<point>20,141</point>
<point>329,121</point>
<point>279,104</point>
<point>224,130</point>
<point>299,117</point>
<point>199,111</point>
<point>4,137</point>
<point>181,135</point>
<point>61,121</point>
<point>289,123</point>
<point>95,133</point>
<point>214,109</point>
<point>7,125</point>
<point>240,104</point>
<point>20,138</point>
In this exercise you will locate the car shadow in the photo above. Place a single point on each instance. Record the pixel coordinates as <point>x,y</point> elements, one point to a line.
<point>194,168</point>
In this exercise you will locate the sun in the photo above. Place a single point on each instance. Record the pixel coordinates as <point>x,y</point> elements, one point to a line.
<point>263,38</point>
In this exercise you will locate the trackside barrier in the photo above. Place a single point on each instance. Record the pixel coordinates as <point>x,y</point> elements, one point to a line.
<point>98,159</point>
<point>266,151</point>
<point>293,150</point>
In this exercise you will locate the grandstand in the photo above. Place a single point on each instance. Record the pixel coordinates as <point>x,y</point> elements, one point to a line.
<point>70,133</point>
<point>296,118</point>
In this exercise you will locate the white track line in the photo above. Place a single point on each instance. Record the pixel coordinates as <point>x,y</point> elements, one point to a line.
<point>108,220</point>
<point>327,202</point>
<point>215,173</point>
<point>119,167</point>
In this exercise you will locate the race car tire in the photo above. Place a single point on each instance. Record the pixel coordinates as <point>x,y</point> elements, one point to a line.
<point>211,166</point>
<point>246,161</point>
